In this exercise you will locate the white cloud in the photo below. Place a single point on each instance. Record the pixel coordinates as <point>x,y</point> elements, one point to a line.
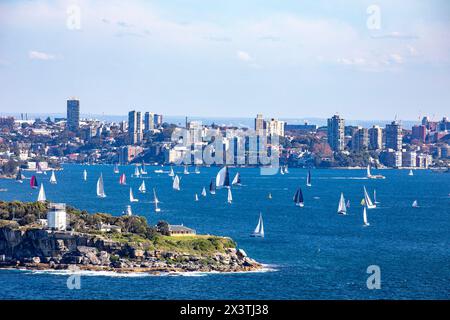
<point>243,56</point>
<point>36,55</point>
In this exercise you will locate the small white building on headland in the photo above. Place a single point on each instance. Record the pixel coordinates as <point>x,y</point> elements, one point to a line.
<point>57,217</point>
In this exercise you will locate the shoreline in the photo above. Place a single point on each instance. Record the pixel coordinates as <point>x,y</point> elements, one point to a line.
<point>155,271</point>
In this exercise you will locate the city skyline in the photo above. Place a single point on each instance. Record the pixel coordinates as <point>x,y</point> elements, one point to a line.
<point>229,60</point>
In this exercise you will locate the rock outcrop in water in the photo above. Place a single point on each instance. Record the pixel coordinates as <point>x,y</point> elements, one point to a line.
<point>44,249</point>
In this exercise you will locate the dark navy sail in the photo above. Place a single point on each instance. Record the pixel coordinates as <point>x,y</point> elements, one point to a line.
<point>298,198</point>
<point>226,182</point>
<point>212,187</point>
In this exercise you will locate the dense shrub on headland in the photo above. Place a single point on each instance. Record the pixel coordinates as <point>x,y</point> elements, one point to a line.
<point>134,228</point>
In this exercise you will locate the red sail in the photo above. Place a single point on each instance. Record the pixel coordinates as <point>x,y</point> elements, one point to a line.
<point>33,182</point>
<point>122,179</point>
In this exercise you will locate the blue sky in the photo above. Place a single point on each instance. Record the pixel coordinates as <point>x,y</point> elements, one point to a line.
<point>228,58</point>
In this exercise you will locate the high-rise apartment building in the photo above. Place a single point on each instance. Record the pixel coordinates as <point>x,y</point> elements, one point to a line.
<point>73,115</point>
<point>375,138</point>
<point>336,130</point>
<point>149,121</point>
<point>135,127</point>
<point>360,140</point>
<point>394,136</point>
<point>259,123</point>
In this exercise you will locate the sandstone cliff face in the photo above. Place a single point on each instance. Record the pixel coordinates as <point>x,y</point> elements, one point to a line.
<point>60,250</point>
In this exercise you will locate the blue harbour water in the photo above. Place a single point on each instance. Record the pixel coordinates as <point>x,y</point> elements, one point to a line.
<point>310,252</point>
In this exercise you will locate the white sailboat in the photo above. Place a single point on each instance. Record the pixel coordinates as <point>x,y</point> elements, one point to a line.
<point>197,170</point>
<point>142,188</point>
<point>116,168</point>
<point>171,173</point>
<point>132,198</point>
<point>85,175</point>
<point>286,170</point>
<point>204,192</point>
<point>230,196</point>
<point>237,179</point>
<point>156,201</point>
<point>366,223</point>
<point>411,173</point>
<point>186,171</point>
<point>136,174</point>
<point>41,195</point>
<point>143,169</point>
<point>368,201</point>
<point>281,171</point>
<point>259,230</point>
<point>100,187</point>
<point>269,196</point>
<point>196,197</point>
<point>53,178</point>
<point>342,208</point>
<point>375,197</point>
<point>223,178</point>
<point>176,183</point>
<point>415,204</point>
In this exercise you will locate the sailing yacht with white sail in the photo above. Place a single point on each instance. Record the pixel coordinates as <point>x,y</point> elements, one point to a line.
<point>41,195</point>
<point>85,175</point>
<point>136,174</point>
<point>100,187</point>
<point>375,197</point>
<point>342,208</point>
<point>415,204</point>
<point>411,173</point>
<point>259,230</point>
<point>197,170</point>
<point>143,169</point>
<point>368,201</point>
<point>132,198</point>
<point>176,183</point>
<point>366,223</point>
<point>204,192</point>
<point>237,179</point>
<point>156,201</point>
<point>281,170</point>
<point>186,171</point>
<point>230,196</point>
<point>53,178</point>
<point>196,197</point>
<point>298,198</point>
<point>142,188</point>
<point>116,168</point>
<point>223,178</point>
<point>171,173</point>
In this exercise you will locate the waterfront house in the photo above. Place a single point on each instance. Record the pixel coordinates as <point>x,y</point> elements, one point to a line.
<point>180,230</point>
